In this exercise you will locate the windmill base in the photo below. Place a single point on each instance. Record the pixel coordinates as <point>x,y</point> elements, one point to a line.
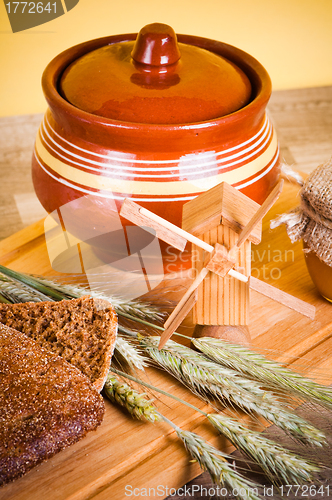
<point>238,334</point>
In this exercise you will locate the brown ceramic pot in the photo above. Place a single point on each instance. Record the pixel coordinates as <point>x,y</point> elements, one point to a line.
<point>158,118</point>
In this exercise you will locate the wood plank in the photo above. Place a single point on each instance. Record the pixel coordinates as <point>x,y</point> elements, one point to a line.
<point>123,451</point>
<point>303,120</point>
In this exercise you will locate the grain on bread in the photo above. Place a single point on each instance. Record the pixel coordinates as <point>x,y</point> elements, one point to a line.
<point>82,331</point>
<point>46,404</point>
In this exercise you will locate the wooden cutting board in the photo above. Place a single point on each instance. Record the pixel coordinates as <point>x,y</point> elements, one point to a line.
<point>124,454</point>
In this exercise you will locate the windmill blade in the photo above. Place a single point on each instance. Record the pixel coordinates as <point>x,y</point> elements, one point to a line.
<point>182,308</point>
<point>282,297</point>
<point>190,297</point>
<point>178,318</point>
<point>165,231</point>
<point>261,212</point>
<point>187,302</point>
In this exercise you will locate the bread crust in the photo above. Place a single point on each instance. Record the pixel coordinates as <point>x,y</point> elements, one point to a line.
<point>82,331</point>
<point>46,404</point>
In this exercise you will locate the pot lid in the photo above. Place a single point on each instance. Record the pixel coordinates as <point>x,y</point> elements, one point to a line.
<point>155,80</point>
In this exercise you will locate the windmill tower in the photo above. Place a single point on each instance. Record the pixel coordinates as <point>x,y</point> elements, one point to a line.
<point>218,216</point>
<point>221,223</point>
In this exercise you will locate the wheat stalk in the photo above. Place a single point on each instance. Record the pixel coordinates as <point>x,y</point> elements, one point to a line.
<point>216,464</point>
<point>206,370</point>
<point>209,458</point>
<point>132,308</point>
<point>205,378</point>
<point>275,460</point>
<point>3,299</point>
<point>50,294</point>
<point>56,290</point>
<point>15,291</point>
<point>257,367</point>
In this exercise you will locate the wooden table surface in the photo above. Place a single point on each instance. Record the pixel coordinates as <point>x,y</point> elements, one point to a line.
<point>303,120</point>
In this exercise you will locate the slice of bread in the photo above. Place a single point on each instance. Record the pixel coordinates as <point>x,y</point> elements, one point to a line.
<point>46,404</point>
<point>82,331</point>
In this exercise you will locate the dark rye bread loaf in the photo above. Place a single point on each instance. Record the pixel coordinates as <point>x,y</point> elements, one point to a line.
<point>46,404</point>
<point>82,331</point>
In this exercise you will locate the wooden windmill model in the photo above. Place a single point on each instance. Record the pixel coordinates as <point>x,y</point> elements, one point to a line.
<point>221,223</point>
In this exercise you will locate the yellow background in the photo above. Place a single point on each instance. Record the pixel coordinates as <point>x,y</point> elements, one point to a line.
<point>291,38</point>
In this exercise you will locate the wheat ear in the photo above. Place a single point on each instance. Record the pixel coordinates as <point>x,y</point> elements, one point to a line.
<point>209,458</point>
<point>53,289</point>
<point>49,293</point>
<point>277,463</point>
<point>175,355</point>
<point>15,291</point>
<point>257,367</point>
<point>205,378</point>
<point>216,464</point>
<point>135,402</point>
<point>14,288</point>
<point>133,308</point>
<point>129,352</point>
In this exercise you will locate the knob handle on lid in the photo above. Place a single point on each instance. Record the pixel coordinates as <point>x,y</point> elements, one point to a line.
<point>156,45</point>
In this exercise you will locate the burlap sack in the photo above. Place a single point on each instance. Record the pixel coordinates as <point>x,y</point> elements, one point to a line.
<point>312,220</point>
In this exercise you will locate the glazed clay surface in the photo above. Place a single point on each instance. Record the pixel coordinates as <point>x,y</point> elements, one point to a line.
<point>84,165</point>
